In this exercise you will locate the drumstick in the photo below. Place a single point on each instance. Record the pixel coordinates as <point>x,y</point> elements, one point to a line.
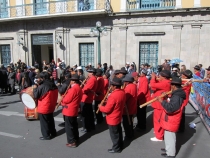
<point>83,83</point>
<point>151,101</point>
<point>105,97</point>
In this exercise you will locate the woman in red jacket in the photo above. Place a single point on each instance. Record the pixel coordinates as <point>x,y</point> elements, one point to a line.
<point>187,87</point>
<point>114,110</point>
<point>70,105</point>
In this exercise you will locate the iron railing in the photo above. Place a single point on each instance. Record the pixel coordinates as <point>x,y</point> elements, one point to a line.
<point>54,7</point>
<point>150,4</point>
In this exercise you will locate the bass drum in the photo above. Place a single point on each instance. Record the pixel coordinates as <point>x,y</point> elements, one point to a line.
<point>27,98</point>
<point>31,114</point>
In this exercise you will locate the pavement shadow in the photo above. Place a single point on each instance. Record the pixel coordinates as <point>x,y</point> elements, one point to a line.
<point>99,128</point>
<point>57,112</point>
<point>61,132</point>
<point>10,102</point>
<point>138,134</point>
<point>182,138</point>
<point>149,108</point>
<point>1,107</point>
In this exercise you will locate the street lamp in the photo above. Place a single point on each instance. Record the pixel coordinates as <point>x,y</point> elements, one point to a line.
<point>98,31</point>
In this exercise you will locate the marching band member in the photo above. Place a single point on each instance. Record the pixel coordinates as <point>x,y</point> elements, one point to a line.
<point>130,103</point>
<point>62,88</point>
<point>86,102</point>
<point>143,96</point>
<point>114,110</point>
<point>106,82</point>
<point>187,87</point>
<point>47,94</point>
<point>70,105</point>
<point>163,85</point>
<point>99,95</point>
<point>171,117</point>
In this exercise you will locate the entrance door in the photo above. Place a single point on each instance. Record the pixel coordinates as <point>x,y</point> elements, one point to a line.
<point>51,56</point>
<point>36,54</point>
<point>148,53</point>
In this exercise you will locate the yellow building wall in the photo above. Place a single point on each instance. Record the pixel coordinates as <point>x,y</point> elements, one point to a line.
<point>28,1</point>
<point>12,10</point>
<point>205,3</point>
<point>115,4</point>
<point>187,3</point>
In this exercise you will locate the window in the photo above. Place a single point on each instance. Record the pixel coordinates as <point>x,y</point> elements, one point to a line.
<point>3,9</point>
<point>85,5</point>
<point>148,53</point>
<point>40,7</point>
<point>86,54</point>
<point>5,54</point>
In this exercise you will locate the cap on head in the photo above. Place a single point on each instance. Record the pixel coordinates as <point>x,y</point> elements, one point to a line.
<point>188,74</point>
<point>116,82</point>
<point>165,73</point>
<point>197,67</point>
<point>176,81</point>
<point>128,78</point>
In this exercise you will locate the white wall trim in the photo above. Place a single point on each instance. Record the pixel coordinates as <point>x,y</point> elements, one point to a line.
<point>178,4</point>
<point>123,6</point>
<point>197,3</point>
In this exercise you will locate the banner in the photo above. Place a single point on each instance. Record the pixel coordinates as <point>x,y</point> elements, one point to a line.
<point>200,99</point>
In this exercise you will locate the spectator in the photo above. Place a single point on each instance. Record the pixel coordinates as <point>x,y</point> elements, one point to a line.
<point>131,69</point>
<point>104,68</point>
<point>197,70</point>
<point>183,69</point>
<point>207,79</point>
<point>149,71</point>
<point>18,78</point>
<point>174,72</point>
<point>11,78</point>
<point>202,71</point>
<point>32,74</point>
<point>166,65</point>
<point>36,65</point>
<point>127,66</point>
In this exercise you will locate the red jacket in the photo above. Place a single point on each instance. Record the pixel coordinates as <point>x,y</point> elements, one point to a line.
<point>89,90</point>
<point>159,87</point>
<point>114,107</point>
<point>72,100</point>
<point>54,74</point>
<point>143,94</point>
<point>106,86</point>
<point>47,103</point>
<point>100,89</point>
<point>187,90</point>
<point>131,99</point>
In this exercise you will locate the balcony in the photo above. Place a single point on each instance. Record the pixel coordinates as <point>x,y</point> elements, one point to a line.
<point>138,5</point>
<point>65,7</point>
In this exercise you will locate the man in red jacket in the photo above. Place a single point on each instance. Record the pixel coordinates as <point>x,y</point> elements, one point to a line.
<point>47,94</point>
<point>70,105</point>
<point>88,91</point>
<point>187,87</point>
<point>130,105</point>
<point>163,85</point>
<point>171,116</point>
<point>143,96</point>
<point>99,95</point>
<point>114,110</point>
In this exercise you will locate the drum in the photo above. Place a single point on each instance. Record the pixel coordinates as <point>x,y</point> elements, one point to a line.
<point>31,114</point>
<point>27,98</point>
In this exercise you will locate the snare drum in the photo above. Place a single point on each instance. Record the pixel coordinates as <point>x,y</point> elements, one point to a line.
<point>31,114</point>
<point>27,98</point>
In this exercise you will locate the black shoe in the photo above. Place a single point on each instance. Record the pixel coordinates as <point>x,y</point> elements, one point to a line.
<point>112,151</point>
<point>162,149</point>
<point>44,138</point>
<point>164,154</point>
<point>53,135</point>
<point>62,124</point>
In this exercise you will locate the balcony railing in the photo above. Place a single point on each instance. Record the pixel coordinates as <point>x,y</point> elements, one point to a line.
<point>55,7</point>
<point>150,4</point>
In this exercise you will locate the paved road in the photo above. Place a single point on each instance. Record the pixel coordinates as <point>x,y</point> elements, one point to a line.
<point>19,138</point>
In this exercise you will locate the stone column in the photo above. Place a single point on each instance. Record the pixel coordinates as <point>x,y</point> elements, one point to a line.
<point>66,43</point>
<point>195,43</point>
<point>178,4</point>
<point>60,48</point>
<point>177,41</point>
<point>23,54</point>
<point>106,47</point>
<point>123,45</point>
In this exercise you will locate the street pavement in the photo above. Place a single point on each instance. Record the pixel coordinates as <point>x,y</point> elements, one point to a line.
<point>19,138</point>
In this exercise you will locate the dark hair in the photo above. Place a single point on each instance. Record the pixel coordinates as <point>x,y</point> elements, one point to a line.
<point>44,75</point>
<point>80,70</point>
<point>176,85</point>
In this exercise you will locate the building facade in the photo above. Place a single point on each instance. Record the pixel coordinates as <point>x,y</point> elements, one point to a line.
<point>137,31</point>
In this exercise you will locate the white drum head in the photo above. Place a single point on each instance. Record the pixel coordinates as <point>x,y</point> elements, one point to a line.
<point>28,101</point>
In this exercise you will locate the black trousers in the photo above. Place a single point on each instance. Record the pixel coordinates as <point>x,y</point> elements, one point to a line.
<point>47,125</point>
<point>142,117</point>
<point>88,121</point>
<point>99,115</point>
<point>71,127</point>
<point>116,137</point>
<point>129,132</point>
<point>182,123</point>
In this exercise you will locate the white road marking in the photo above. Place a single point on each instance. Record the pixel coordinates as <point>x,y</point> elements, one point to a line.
<point>10,113</point>
<point>10,135</point>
